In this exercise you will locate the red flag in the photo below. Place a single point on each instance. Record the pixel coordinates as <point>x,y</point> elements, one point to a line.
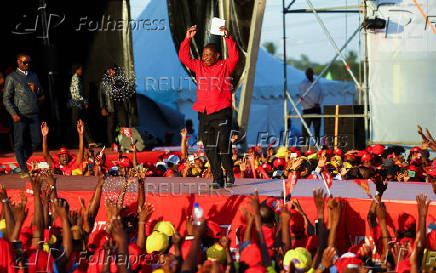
<point>328,179</point>
<point>253,165</point>
<point>364,184</point>
<point>290,183</point>
<point>126,132</point>
<point>199,150</point>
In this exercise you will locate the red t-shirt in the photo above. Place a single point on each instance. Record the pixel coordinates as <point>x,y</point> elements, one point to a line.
<point>6,257</point>
<point>214,87</point>
<point>68,169</point>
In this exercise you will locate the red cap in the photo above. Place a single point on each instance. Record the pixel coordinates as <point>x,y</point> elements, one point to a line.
<point>309,152</point>
<point>366,157</point>
<point>250,255</point>
<point>251,150</point>
<point>338,152</point>
<point>293,150</point>
<point>406,222</point>
<point>169,173</point>
<point>125,162</point>
<point>348,260</point>
<point>415,149</point>
<point>378,149</point>
<point>279,163</point>
<point>63,151</point>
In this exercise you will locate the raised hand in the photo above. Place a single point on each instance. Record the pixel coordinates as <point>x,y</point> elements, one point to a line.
<point>421,201</point>
<point>36,182</point>
<point>191,32</point>
<point>226,32</point>
<point>328,256</point>
<point>19,211</point>
<point>318,197</point>
<point>44,129</point>
<point>61,208</point>
<point>419,129</point>
<point>80,127</point>
<point>336,210</point>
<point>73,217</point>
<point>145,212</point>
<point>225,241</point>
<point>183,133</point>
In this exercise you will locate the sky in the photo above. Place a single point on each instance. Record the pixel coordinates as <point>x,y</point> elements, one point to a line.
<point>304,34</point>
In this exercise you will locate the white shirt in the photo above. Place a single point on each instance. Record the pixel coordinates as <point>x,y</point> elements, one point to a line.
<point>315,96</point>
<point>24,72</point>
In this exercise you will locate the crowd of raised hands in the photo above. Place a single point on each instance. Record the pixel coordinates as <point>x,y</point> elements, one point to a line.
<point>273,237</point>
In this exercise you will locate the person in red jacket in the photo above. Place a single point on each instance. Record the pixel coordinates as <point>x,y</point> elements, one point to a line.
<point>214,102</point>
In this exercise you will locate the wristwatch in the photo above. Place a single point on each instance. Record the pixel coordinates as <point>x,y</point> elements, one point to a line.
<point>5,200</point>
<point>321,267</point>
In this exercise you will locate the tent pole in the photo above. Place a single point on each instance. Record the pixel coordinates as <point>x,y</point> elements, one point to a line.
<point>250,64</point>
<point>285,80</point>
<point>365,76</point>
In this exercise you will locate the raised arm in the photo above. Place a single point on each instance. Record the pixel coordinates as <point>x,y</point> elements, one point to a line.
<point>80,128</point>
<point>94,204</point>
<point>319,199</point>
<point>183,146</point>
<point>380,211</point>
<point>134,161</point>
<point>184,55</point>
<point>232,59</point>
<point>336,210</point>
<point>190,263</point>
<point>285,217</point>
<point>6,210</point>
<point>266,260</point>
<point>144,213</point>
<point>45,152</point>
<point>38,220</point>
<point>61,210</point>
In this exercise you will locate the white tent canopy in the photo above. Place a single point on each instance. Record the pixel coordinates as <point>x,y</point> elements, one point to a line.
<point>161,77</point>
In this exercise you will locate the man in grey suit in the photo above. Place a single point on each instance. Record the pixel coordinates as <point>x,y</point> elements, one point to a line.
<point>22,89</point>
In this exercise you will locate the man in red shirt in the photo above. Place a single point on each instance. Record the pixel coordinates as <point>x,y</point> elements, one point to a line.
<point>214,102</point>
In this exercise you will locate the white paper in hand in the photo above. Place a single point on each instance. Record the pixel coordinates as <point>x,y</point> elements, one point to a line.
<point>215,26</point>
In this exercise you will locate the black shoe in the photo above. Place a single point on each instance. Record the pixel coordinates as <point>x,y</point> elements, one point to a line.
<point>230,180</point>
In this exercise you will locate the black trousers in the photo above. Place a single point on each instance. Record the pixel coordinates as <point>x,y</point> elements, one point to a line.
<point>214,131</point>
<point>316,123</point>
<point>80,113</point>
<point>118,117</point>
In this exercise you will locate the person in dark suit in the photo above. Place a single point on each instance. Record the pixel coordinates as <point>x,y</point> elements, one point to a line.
<point>22,89</point>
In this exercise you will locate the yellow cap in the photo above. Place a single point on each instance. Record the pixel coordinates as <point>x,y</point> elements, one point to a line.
<point>301,258</point>
<point>165,227</point>
<point>160,270</point>
<point>157,242</point>
<point>216,252</point>
<point>282,152</point>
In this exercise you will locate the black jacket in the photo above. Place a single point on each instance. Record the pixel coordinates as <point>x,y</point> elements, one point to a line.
<point>18,98</point>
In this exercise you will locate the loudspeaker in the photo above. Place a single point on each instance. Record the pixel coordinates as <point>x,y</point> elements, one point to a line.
<point>351,131</point>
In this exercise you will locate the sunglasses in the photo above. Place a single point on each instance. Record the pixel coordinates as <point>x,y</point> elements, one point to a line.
<point>26,62</point>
